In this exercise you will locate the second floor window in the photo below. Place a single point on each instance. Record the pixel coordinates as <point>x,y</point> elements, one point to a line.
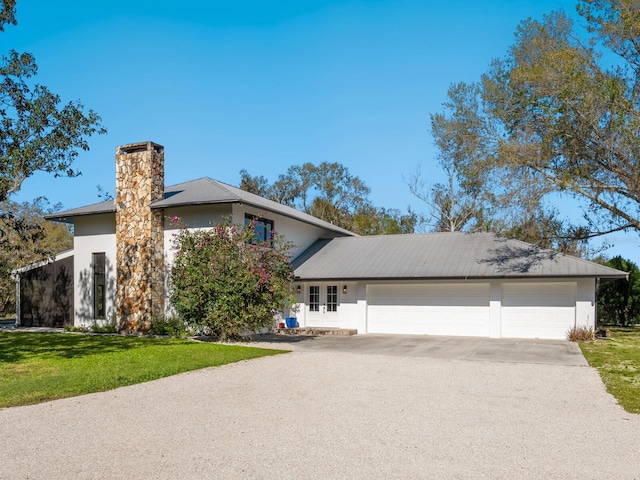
<point>263,228</point>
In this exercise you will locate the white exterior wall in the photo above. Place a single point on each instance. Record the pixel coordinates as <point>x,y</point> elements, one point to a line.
<point>197,217</point>
<point>361,307</point>
<point>301,234</point>
<point>495,309</point>
<point>93,234</point>
<point>586,303</point>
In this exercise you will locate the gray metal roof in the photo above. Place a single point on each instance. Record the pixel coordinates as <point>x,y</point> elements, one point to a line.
<point>438,256</point>
<point>204,191</point>
<point>108,206</point>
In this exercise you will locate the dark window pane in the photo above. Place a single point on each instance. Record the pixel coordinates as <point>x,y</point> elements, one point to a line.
<point>99,289</point>
<point>332,298</point>
<point>262,230</point>
<point>314,298</point>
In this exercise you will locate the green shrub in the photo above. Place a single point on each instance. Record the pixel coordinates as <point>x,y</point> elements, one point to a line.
<point>225,283</point>
<point>79,328</point>
<point>172,327</point>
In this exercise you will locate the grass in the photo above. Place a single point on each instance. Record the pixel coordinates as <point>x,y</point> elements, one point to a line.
<point>37,367</point>
<point>618,361</point>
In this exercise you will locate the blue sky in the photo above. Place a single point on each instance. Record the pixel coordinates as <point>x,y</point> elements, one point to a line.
<point>264,85</point>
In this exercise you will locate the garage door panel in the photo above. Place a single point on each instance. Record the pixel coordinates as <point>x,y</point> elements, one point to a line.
<point>538,310</point>
<point>432,295</point>
<point>429,309</point>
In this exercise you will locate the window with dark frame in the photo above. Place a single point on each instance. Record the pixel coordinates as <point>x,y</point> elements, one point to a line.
<point>99,286</point>
<point>314,298</point>
<point>332,298</point>
<point>263,228</point>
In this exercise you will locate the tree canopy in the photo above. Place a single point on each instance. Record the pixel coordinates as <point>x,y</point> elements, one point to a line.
<point>330,192</point>
<point>619,300</point>
<point>559,114</point>
<point>38,132</point>
<point>27,237</point>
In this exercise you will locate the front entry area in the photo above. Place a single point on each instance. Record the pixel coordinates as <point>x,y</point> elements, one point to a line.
<point>322,305</point>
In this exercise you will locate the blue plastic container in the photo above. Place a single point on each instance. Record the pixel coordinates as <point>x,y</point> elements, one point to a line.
<point>291,322</point>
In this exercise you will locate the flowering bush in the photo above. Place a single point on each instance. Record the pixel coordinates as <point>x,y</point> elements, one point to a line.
<point>225,283</point>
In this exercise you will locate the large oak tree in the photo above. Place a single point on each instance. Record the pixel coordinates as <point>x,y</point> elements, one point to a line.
<point>38,132</point>
<point>560,113</point>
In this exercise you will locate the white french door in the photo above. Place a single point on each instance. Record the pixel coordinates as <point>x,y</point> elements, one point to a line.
<point>322,305</point>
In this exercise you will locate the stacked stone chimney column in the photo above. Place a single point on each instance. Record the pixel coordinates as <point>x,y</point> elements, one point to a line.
<point>139,236</point>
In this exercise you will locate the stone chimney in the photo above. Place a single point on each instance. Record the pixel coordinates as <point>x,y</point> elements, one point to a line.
<point>139,236</point>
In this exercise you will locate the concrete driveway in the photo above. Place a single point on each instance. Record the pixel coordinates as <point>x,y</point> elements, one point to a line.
<point>557,352</point>
<point>330,413</point>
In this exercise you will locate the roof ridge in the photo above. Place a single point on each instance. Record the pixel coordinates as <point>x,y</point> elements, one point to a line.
<point>225,187</point>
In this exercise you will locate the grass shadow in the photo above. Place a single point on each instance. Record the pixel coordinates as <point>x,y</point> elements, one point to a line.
<point>20,346</point>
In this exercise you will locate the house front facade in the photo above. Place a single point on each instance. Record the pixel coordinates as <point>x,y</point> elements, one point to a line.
<point>436,284</point>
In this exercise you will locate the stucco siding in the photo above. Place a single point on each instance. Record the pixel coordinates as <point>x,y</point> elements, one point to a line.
<point>93,234</point>
<point>301,235</point>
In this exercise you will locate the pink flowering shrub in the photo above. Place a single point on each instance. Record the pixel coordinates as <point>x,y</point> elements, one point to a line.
<point>225,283</point>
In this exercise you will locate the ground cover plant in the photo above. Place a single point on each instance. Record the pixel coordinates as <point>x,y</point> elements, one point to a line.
<point>617,359</point>
<point>37,367</point>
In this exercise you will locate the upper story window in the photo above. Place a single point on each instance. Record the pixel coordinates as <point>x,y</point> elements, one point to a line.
<point>263,228</point>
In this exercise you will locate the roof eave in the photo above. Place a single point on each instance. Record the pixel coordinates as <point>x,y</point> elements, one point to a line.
<point>69,218</point>
<point>456,277</point>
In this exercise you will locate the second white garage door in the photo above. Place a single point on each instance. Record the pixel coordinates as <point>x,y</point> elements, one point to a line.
<point>538,310</point>
<point>429,309</point>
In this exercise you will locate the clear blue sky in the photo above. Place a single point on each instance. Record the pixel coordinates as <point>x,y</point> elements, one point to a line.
<point>263,85</point>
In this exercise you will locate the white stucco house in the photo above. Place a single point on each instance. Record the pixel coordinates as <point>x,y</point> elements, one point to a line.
<point>436,284</point>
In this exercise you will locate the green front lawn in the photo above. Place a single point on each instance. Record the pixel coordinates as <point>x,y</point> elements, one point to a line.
<point>618,361</point>
<point>36,367</point>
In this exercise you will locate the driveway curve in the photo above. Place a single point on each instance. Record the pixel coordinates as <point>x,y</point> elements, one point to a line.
<point>317,414</point>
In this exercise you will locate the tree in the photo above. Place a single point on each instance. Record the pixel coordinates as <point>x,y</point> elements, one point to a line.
<point>226,283</point>
<point>451,208</point>
<point>552,118</point>
<point>619,300</point>
<point>27,238</point>
<point>330,192</point>
<point>37,131</point>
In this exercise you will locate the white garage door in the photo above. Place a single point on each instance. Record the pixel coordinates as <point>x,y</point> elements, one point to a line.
<point>538,310</point>
<point>444,309</point>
